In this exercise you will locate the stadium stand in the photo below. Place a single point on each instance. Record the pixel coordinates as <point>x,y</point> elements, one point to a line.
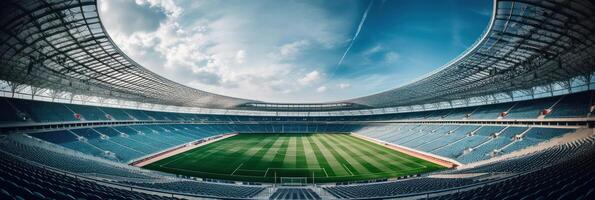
<point>567,106</point>
<point>533,176</point>
<point>572,106</point>
<point>512,117</point>
<point>294,193</point>
<point>572,178</point>
<point>385,190</point>
<point>491,111</point>
<point>458,143</point>
<point>70,161</point>
<point>205,189</point>
<point>21,180</point>
<point>530,109</point>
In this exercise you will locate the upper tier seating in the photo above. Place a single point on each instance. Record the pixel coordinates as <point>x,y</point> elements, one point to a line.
<point>572,105</point>
<point>530,109</point>
<point>44,111</point>
<point>490,111</point>
<point>88,113</point>
<point>28,111</point>
<point>10,113</point>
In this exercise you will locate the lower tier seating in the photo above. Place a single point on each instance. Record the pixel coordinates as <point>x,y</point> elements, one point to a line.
<point>27,149</point>
<point>463,143</point>
<point>389,189</point>
<point>562,171</point>
<point>21,180</point>
<point>294,193</point>
<point>204,188</point>
<point>573,178</point>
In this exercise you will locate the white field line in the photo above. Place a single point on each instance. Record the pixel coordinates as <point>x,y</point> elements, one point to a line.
<point>348,169</point>
<point>290,168</point>
<point>234,171</point>
<point>212,173</point>
<point>221,174</point>
<point>180,150</point>
<point>250,170</point>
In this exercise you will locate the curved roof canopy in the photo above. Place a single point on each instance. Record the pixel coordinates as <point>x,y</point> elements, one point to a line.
<point>62,45</point>
<point>527,43</point>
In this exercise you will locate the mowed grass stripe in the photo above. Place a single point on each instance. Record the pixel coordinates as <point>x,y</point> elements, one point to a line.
<point>301,159</point>
<point>244,156</point>
<point>362,153</point>
<point>187,161</point>
<point>240,156</point>
<point>327,159</point>
<point>309,153</point>
<point>272,151</point>
<point>195,155</point>
<point>354,157</point>
<point>387,155</point>
<point>279,159</point>
<point>290,153</point>
<point>238,153</point>
<point>402,158</point>
<point>257,157</point>
<point>352,166</point>
<point>379,157</point>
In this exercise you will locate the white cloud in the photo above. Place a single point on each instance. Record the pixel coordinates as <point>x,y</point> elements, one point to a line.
<point>310,78</point>
<point>391,57</point>
<point>289,51</point>
<point>379,54</point>
<point>220,47</point>
<point>103,6</point>
<point>169,6</point>
<point>344,85</point>
<point>321,89</point>
<point>240,56</point>
<point>372,50</point>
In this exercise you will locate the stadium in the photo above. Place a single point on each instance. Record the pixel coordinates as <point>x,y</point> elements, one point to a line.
<point>511,117</point>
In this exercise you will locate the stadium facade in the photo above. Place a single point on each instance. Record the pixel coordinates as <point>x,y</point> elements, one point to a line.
<point>511,117</point>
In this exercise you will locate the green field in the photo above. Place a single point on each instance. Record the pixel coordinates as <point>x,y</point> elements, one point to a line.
<point>262,157</point>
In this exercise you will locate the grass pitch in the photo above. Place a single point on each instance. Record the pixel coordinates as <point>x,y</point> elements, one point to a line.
<point>262,157</point>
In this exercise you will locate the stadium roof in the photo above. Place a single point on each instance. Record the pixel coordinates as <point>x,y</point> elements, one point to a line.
<point>63,46</point>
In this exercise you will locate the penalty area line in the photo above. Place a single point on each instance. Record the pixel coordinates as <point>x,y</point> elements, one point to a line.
<point>234,171</point>
<point>348,170</point>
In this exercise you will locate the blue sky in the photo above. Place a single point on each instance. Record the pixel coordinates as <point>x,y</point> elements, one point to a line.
<point>294,51</point>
